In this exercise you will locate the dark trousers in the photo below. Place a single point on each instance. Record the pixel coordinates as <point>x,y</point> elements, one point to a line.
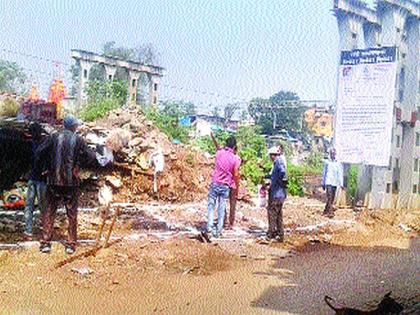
<point>275,218</point>
<point>331,190</point>
<point>69,196</point>
<point>233,197</point>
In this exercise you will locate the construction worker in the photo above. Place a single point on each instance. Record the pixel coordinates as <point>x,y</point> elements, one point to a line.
<point>233,196</point>
<point>225,178</point>
<point>277,195</point>
<point>332,178</point>
<point>67,152</point>
<point>37,186</point>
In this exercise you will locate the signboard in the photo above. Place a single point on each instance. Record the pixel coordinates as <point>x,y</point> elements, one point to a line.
<point>365,103</point>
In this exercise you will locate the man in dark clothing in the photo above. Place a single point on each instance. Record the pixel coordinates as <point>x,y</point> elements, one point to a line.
<point>37,185</point>
<point>277,195</point>
<point>66,153</point>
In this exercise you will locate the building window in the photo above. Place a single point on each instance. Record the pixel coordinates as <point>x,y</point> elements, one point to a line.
<point>414,189</point>
<point>398,141</point>
<point>133,83</point>
<point>416,165</point>
<point>353,35</point>
<point>417,139</point>
<point>390,163</point>
<point>397,163</point>
<point>85,73</point>
<point>110,77</point>
<point>154,100</point>
<point>403,55</point>
<point>388,188</point>
<point>402,84</point>
<point>155,87</point>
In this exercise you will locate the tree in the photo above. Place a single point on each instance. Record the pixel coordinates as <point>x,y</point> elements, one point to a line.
<point>215,112</point>
<point>229,111</point>
<point>282,110</point>
<point>244,115</point>
<point>12,77</point>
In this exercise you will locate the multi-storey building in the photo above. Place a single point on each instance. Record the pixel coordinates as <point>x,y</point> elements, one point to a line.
<point>391,23</point>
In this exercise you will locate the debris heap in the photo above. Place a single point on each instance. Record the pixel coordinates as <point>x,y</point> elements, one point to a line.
<point>133,138</point>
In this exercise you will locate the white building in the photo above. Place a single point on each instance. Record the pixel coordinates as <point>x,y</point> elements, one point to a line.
<point>391,23</point>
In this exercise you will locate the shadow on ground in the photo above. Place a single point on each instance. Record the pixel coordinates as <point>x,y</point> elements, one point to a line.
<point>354,276</point>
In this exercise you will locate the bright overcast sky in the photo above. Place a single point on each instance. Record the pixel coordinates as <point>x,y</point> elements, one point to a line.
<point>237,48</point>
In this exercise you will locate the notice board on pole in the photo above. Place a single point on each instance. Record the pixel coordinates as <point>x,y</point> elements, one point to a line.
<point>365,104</point>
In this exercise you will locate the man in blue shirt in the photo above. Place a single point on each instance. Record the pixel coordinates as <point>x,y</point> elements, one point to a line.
<point>277,195</point>
<point>332,178</point>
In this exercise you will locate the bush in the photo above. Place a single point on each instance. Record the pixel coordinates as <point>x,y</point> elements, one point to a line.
<point>314,163</point>
<point>296,180</point>
<point>98,109</point>
<point>9,107</point>
<point>352,181</point>
<point>168,124</point>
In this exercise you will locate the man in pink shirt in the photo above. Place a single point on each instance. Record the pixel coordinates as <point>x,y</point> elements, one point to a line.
<point>225,178</point>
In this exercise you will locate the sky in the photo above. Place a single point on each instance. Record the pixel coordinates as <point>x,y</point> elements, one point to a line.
<point>214,52</point>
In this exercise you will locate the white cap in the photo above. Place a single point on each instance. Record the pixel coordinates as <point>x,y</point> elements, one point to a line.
<point>274,151</point>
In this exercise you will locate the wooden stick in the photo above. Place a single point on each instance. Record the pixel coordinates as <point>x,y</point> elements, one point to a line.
<point>90,252</point>
<point>117,212</point>
<point>101,227</point>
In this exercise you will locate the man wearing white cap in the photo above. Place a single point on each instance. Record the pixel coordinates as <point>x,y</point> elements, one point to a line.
<point>277,196</point>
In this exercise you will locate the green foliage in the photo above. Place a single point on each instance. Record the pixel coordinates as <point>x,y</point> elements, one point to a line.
<point>98,91</point>
<point>352,181</point>
<point>103,96</point>
<point>277,113</point>
<point>296,180</point>
<point>9,107</point>
<point>100,109</point>
<point>12,77</point>
<point>206,143</point>
<point>314,163</point>
<point>251,149</point>
<point>167,120</point>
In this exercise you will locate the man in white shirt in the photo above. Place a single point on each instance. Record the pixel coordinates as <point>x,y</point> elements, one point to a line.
<point>332,178</point>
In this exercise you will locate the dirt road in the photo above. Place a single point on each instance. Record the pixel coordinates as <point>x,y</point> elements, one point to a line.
<point>145,278</point>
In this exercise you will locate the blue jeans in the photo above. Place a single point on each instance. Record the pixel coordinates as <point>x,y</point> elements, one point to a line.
<point>36,189</point>
<point>218,193</point>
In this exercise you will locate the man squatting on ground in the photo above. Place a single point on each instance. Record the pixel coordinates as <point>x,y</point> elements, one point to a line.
<point>62,155</point>
<point>37,186</point>
<point>332,177</point>
<point>225,178</point>
<point>277,195</point>
<point>233,196</point>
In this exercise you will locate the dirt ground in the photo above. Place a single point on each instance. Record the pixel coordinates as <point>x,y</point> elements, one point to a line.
<point>155,264</point>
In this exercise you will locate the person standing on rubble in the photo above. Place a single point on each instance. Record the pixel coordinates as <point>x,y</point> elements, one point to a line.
<point>233,196</point>
<point>332,178</point>
<point>277,195</point>
<point>66,153</point>
<point>225,178</point>
<point>37,186</point>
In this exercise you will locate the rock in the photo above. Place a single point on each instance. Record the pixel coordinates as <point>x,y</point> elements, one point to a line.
<point>114,181</point>
<point>83,271</point>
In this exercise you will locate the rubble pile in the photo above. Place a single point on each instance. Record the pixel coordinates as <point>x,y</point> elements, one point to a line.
<point>134,139</point>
